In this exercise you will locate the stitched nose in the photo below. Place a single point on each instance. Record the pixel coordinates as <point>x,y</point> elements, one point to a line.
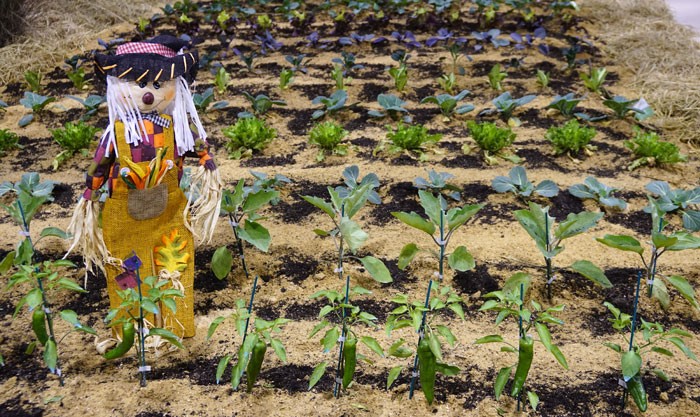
<point>147,98</point>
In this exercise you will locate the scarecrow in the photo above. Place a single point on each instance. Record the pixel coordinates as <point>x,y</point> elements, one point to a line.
<point>153,126</point>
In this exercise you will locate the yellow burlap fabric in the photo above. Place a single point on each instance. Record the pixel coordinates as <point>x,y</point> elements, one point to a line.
<point>123,234</point>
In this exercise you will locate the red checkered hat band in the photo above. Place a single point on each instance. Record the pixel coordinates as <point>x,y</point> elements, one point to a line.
<point>145,48</point>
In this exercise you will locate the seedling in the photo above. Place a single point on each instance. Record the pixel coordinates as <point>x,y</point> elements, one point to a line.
<point>528,41</point>
<point>352,181</point>
<point>408,139</point>
<point>571,139</point>
<point>36,103</point>
<point>9,141</point>
<point>330,105</point>
<point>286,78</point>
<point>91,104</point>
<point>601,193</point>
<point>448,104</point>
<point>75,72</point>
<point>31,194</point>
<point>594,80</point>
<point>261,105</point>
<point>496,76</point>
<point>247,136</point>
<point>678,200</point>
<point>355,38</point>
<point>400,76</point>
<point>510,302</point>
<point>517,183</point>
<point>422,317</point>
<point>347,61</point>
<point>656,340</point>
<point>251,354</point>
<point>448,82</point>
<point>565,104</point>
<point>33,80</point>
<point>204,100</point>
<point>505,105</point>
<point>74,138</point>
<point>298,62</point>
<point>492,140</point>
<point>649,150</point>
<point>659,244</point>
<point>489,36</point>
<point>248,60</point>
<point>443,222</point>
<point>328,136</point>
<point>542,78</point>
<point>267,43</point>
<point>338,76</point>
<point>437,182</point>
<point>540,226</point>
<point>392,106</point>
<point>222,80</point>
<point>621,106</point>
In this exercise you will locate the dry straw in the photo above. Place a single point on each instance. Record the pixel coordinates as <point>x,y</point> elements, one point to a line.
<point>53,30</point>
<point>663,56</point>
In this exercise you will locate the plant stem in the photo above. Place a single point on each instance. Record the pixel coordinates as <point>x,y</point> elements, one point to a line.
<point>250,307</point>
<point>521,333</point>
<point>336,387</point>
<point>420,337</point>
<point>239,241</point>
<point>651,271</point>
<point>44,300</point>
<point>442,250</point>
<point>548,260</point>
<point>633,327</point>
<point>142,338</point>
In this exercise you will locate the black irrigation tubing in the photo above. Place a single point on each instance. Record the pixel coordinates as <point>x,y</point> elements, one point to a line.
<point>339,369</point>
<point>44,301</point>
<point>234,224</point>
<point>143,368</point>
<point>634,322</point>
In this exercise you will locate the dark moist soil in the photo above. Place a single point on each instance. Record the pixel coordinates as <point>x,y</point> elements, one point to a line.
<point>17,407</point>
<point>400,197</point>
<point>265,161</point>
<point>299,209</point>
<point>477,280</point>
<point>297,268</point>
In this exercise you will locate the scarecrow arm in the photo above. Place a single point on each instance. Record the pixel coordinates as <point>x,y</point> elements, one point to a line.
<point>98,171</point>
<point>201,151</point>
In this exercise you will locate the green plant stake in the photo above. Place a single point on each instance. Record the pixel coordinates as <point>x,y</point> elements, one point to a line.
<point>142,329</point>
<point>634,326</point>
<point>341,351</point>
<point>250,307</point>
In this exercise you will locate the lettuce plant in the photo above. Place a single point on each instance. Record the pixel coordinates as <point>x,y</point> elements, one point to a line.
<point>448,82</point>
<point>222,80</point>
<point>542,78</point>
<point>400,76</point>
<point>571,138</point>
<point>517,183</point>
<point>328,136</point>
<point>286,77</point>
<point>660,243</point>
<point>510,302</point>
<point>73,138</point>
<point>679,200</point>
<point>540,226</point>
<point>8,141</point>
<point>650,150</point>
<point>491,139</point>
<point>33,80</point>
<point>408,139</point>
<point>246,136</point>
<point>601,193</point>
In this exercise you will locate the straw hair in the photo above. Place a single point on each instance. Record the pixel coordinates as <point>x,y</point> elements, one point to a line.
<point>204,210</point>
<point>86,235</point>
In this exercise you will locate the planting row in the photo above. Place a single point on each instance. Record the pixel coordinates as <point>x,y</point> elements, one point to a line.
<point>342,323</point>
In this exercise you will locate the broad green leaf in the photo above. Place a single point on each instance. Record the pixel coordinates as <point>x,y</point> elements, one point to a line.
<point>622,242</point>
<point>685,241</point>
<point>661,241</point>
<point>431,205</point>
<point>54,231</point>
<point>321,204</point>
<point>393,375</point>
<point>255,234</point>
<point>533,221</point>
<point>170,304</point>
<point>545,336</point>
<point>7,263</point>
<point>329,339</point>
<point>662,351</point>
<point>457,308</point>
<point>614,346</point>
<point>167,335</point>
<point>447,370</point>
<point>221,367</point>
<point>352,234</point>
<point>356,200</point>
<point>51,355</point>
<point>631,364</point>
<point>376,269</point>
<point>559,356</point>
<point>592,272</point>
<point>517,281</point>
<point>447,334</point>
<point>494,338</point>
<point>660,292</point>
<point>661,374</point>
<point>416,221</point>
<point>398,350</point>
<point>407,254</point>
<point>279,349</point>
<point>683,287</point>
<point>681,345</point>
<point>434,344</point>
<point>501,379</point>
<point>461,259</point>
<point>259,199</point>
<point>372,343</point>
<point>150,306</point>
<point>691,219</point>
<point>458,216</point>
<point>221,262</point>
<point>70,285</point>
<point>316,375</point>
<point>214,325</point>
<point>325,310</point>
<point>576,224</point>
<point>533,399</point>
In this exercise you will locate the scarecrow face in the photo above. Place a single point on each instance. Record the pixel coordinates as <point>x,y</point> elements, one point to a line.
<point>154,96</point>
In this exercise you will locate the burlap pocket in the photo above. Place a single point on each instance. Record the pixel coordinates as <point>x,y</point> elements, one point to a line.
<point>147,203</point>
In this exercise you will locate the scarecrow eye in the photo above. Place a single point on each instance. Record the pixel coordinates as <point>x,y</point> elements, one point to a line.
<point>156,85</point>
<point>142,84</point>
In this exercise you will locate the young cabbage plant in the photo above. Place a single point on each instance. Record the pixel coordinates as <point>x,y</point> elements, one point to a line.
<point>242,206</point>
<point>655,340</point>
<point>517,183</point>
<point>542,78</point>
<point>566,105</point>
<point>36,103</point>
<point>621,106</point>
<point>510,302</point>
<point>649,150</point>
<point>392,106</point>
<point>91,104</point>
<point>594,80</point>
<point>352,181</point>
<point>204,100</point>
<point>330,105</point>
<point>343,323</point>
<point>338,75</point>
<point>424,319</point>
<point>31,193</point>
<point>298,62</point>
<point>599,192</point>
<point>492,36</point>
<point>400,76</point>
<point>347,61</point>
<point>251,353</point>
<point>448,104</point>
<point>540,226</point>
<point>505,105</point>
<point>660,243</point>
<point>496,76</point>
<point>33,80</point>
<point>437,181</point>
<point>678,200</point>
<point>261,105</point>
<point>492,140</point>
